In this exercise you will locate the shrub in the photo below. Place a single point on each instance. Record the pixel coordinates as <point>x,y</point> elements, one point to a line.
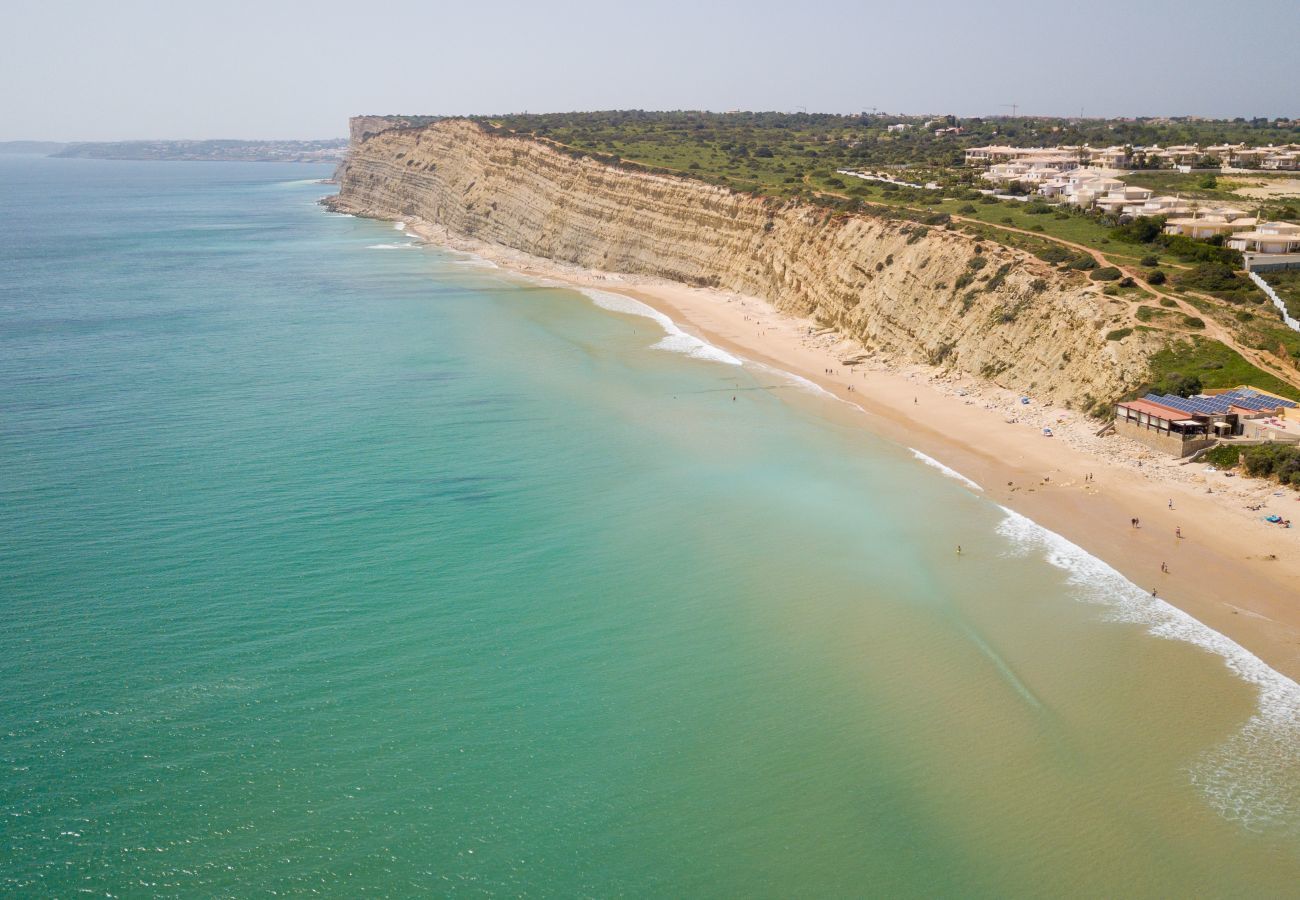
<point>1054,253</point>
<point>1150,261</point>
<point>1219,279</point>
<point>1127,282</point>
<point>1189,250</point>
<point>1156,277</point>
<point>1038,285</point>
<point>1142,230</point>
<point>1193,322</point>
<point>1166,302</point>
<point>1281,461</point>
<point>1083,262</point>
<point>998,277</point>
<point>1106,273</point>
<point>967,209</point>
<point>1225,456</point>
<point>976,263</point>
<point>1177,383</point>
<point>1119,334</point>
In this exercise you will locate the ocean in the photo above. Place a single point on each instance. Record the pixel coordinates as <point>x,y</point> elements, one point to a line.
<point>334,564</point>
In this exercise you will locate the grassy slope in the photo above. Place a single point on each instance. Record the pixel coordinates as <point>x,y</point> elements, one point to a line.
<point>1216,365</point>
<point>1287,285</point>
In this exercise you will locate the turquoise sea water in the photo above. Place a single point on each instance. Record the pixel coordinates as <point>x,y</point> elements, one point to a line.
<point>330,564</point>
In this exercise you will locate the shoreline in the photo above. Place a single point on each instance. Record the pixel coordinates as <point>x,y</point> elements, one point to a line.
<point>1230,571</point>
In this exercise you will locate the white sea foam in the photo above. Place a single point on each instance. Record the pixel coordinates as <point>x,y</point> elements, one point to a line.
<point>1252,777</point>
<point>400,226</point>
<point>477,262</point>
<point>950,472</point>
<point>394,246</point>
<point>676,341</point>
<point>335,215</point>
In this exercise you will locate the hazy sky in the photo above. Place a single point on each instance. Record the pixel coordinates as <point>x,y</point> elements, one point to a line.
<point>116,69</point>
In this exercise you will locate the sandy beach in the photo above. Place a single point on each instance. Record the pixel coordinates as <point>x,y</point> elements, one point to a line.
<point>1230,569</point>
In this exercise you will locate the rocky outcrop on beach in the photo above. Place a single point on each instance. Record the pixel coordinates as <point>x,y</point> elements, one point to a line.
<point>916,293</point>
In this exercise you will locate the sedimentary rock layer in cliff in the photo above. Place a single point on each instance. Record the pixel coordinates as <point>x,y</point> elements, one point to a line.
<point>890,284</point>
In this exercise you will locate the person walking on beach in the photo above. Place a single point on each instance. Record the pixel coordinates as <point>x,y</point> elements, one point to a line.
<point>959,549</point>
<point>1164,568</point>
<point>1171,502</point>
<point>1178,531</point>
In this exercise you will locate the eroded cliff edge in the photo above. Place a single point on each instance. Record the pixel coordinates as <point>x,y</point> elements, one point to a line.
<point>897,287</point>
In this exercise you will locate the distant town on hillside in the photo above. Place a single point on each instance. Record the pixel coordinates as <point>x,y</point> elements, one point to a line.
<point>215,150</point>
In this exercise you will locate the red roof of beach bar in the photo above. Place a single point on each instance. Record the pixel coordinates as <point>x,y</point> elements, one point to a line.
<point>1160,411</point>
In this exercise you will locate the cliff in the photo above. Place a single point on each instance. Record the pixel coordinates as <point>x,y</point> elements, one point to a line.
<point>891,285</point>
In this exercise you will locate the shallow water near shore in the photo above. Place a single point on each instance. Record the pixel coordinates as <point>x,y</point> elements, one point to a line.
<point>331,567</point>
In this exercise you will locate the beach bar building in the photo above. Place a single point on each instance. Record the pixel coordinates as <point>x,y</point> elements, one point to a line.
<point>1180,426</point>
<point>1162,427</point>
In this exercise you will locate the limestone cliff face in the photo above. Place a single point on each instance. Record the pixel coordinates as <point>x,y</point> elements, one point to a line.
<point>362,127</point>
<point>889,284</point>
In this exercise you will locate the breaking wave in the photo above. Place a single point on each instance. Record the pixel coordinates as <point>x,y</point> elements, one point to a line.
<point>947,470</point>
<point>1252,777</point>
<point>676,340</point>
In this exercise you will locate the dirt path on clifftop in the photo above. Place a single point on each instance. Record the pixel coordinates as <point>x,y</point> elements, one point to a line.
<point>1213,329</point>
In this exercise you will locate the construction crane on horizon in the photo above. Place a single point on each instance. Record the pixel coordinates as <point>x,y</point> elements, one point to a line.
<point>1014,107</point>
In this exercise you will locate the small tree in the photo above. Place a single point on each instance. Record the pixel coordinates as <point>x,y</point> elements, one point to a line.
<point>1178,384</point>
<point>1156,277</point>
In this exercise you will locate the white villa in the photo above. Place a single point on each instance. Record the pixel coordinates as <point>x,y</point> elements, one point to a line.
<point>1161,206</point>
<point>1280,157</point>
<point>1030,171</point>
<point>1204,227</point>
<point>1116,200</point>
<point>1283,160</point>
<point>1272,245</point>
<point>1084,187</point>
<point>1268,237</point>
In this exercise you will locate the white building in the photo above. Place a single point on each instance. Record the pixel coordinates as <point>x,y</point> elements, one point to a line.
<point>1268,237</point>
<point>1208,226</point>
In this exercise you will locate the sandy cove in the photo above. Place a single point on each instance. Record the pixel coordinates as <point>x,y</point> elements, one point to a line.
<point>1231,570</point>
